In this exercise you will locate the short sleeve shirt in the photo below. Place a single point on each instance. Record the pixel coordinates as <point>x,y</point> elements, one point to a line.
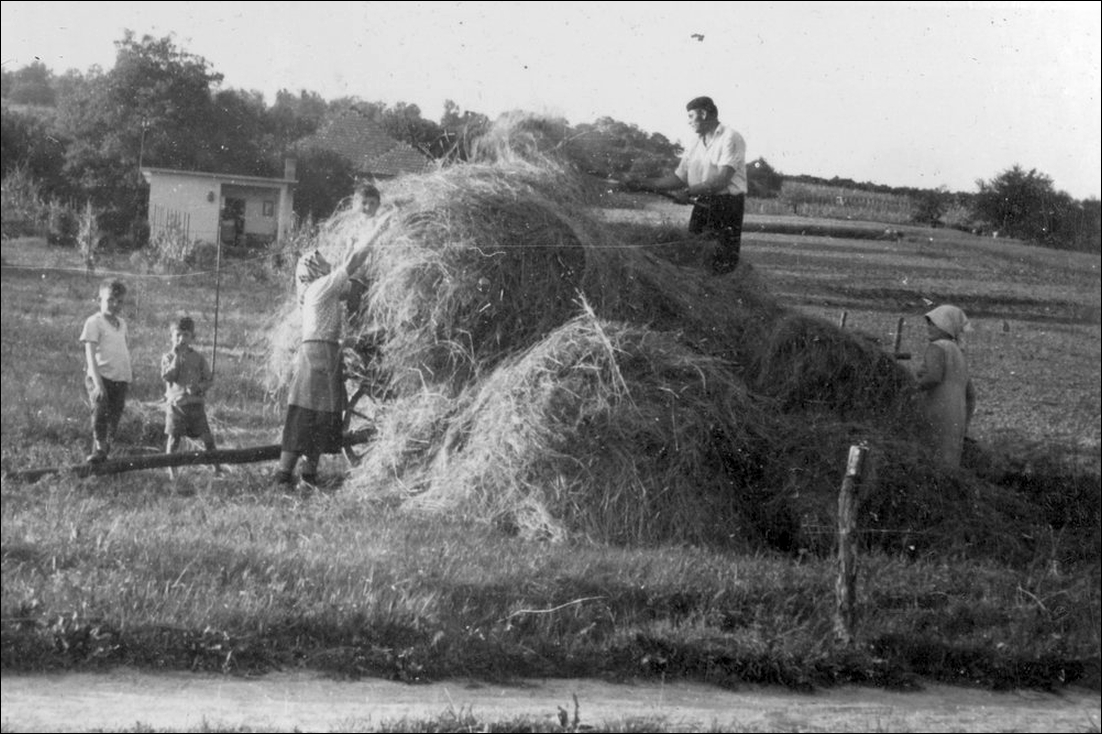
<point>111,347</point>
<point>724,147</point>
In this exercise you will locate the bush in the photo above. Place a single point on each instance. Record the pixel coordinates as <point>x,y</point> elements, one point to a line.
<point>63,225</point>
<point>930,207</point>
<point>170,250</point>
<point>762,180</point>
<point>24,211</point>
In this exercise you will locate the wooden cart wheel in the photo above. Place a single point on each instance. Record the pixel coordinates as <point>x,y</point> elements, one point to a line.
<point>354,416</point>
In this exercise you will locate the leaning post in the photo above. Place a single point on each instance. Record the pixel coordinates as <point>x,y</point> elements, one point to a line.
<point>898,341</point>
<point>846,584</point>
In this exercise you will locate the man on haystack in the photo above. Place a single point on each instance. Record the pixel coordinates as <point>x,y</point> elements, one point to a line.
<point>317,399</point>
<point>713,173</point>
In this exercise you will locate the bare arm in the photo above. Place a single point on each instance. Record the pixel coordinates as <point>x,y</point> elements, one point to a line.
<point>358,256</point>
<point>93,369</point>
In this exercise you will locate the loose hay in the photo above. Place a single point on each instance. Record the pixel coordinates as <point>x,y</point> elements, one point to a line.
<point>485,261</point>
<point>603,430</point>
<point>809,364</point>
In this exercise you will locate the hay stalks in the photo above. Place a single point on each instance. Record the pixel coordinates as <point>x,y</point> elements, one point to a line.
<point>602,430</point>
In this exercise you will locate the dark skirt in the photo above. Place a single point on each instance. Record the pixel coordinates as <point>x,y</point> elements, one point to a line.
<point>312,433</point>
<point>317,401</point>
<point>318,381</point>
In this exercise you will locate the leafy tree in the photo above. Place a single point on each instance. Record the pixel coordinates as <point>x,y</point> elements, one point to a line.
<point>930,206</point>
<point>1024,204</point>
<point>32,84</point>
<point>762,181</point>
<point>292,118</point>
<point>610,148</point>
<point>1085,221</point>
<point>30,143</point>
<point>402,122</point>
<point>1017,203</point>
<point>325,178</point>
<point>240,139</point>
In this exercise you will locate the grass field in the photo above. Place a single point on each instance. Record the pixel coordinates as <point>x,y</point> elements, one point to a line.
<point>210,573</point>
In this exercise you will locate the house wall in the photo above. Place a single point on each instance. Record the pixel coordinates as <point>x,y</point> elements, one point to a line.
<point>194,204</point>
<point>261,208</point>
<point>184,202</point>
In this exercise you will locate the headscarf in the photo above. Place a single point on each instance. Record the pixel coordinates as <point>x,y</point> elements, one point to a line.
<point>311,266</point>
<point>951,320</point>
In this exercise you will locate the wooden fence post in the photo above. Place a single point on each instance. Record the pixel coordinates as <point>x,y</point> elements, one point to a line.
<point>846,584</point>
<point>898,341</point>
<point>842,319</point>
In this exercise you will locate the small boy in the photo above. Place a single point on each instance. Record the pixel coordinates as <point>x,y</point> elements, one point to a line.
<point>107,360</point>
<point>367,198</point>
<point>187,378</point>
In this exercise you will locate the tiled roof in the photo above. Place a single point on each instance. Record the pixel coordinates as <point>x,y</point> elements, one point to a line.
<point>370,148</point>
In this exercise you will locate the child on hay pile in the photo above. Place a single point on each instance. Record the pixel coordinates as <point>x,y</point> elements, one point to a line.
<point>948,397</point>
<point>367,198</point>
<point>367,201</point>
<point>187,378</point>
<point>108,370</point>
<point>315,406</point>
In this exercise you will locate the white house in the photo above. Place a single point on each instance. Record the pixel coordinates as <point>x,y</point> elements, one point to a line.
<point>212,207</point>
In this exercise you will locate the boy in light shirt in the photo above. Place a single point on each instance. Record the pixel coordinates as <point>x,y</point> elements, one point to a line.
<point>107,366</point>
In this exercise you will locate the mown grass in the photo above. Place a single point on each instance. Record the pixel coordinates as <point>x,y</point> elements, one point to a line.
<point>239,580</point>
<point>225,575</point>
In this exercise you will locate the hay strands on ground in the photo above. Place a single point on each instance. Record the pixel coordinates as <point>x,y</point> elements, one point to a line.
<point>184,458</point>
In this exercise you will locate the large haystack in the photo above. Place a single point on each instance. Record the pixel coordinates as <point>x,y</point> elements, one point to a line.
<point>547,375</point>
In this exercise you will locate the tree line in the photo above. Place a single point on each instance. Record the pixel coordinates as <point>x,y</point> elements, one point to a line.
<point>81,138</point>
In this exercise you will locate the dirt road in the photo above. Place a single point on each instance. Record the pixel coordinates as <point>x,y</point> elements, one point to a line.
<point>308,702</point>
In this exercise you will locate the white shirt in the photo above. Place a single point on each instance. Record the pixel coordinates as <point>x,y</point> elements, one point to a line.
<point>723,147</point>
<point>112,351</point>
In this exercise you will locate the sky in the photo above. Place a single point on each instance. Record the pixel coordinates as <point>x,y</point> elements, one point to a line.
<point>898,93</point>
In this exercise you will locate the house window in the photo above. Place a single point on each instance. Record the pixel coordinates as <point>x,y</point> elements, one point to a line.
<point>269,208</point>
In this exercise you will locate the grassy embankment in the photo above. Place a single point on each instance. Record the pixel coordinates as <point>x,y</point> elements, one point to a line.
<point>224,574</point>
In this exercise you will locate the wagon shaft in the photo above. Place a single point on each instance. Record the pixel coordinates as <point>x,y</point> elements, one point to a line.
<point>159,461</point>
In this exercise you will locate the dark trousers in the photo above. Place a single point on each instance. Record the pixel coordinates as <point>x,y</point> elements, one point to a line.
<point>721,214</point>
<point>107,410</point>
